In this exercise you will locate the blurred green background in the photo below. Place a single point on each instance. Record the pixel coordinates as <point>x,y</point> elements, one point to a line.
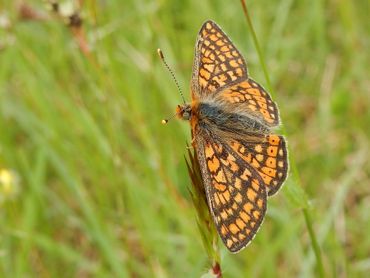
<point>92,185</point>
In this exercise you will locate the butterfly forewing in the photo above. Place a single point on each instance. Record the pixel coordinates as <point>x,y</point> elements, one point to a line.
<point>217,61</point>
<point>236,196</point>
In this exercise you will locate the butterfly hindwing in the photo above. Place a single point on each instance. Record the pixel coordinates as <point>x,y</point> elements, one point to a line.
<point>268,158</point>
<point>251,97</point>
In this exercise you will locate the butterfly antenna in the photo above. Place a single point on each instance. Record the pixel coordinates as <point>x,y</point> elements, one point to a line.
<point>160,53</point>
<point>165,121</point>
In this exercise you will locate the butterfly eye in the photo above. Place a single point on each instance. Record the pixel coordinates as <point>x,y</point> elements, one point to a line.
<point>186,115</point>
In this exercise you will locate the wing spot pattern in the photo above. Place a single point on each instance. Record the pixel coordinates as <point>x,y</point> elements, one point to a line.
<point>256,214</point>
<point>220,43</point>
<point>242,236</point>
<point>229,243</point>
<point>253,96</point>
<point>248,208</point>
<point>255,163</point>
<point>271,162</point>
<point>213,164</point>
<point>217,199</point>
<point>226,196</point>
<point>233,228</point>
<point>251,195</point>
<point>240,223</point>
<point>215,45</point>
<point>223,230</point>
<point>246,218</point>
<point>219,186</point>
<point>269,171</point>
<point>260,157</point>
<point>209,67</point>
<point>255,185</point>
<point>224,48</point>
<point>272,151</point>
<point>238,184</point>
<point>238,198</point>
<point>246,174</point>
<point>237,204</point>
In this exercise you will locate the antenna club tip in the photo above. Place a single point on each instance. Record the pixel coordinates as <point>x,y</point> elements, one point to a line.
<point>160,53</point>
<point>165,121</point>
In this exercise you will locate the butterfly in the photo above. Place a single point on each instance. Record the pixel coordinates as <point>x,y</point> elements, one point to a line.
<point>232,121</point>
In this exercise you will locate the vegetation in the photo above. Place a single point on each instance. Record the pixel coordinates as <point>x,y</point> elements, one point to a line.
<point>91,183</point>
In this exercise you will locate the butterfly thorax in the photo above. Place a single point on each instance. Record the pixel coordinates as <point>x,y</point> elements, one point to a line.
<point>216,116</point>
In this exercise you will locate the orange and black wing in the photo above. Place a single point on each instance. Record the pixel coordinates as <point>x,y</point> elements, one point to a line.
<point>217,62</point>
<point>268,157</point>
<point>250,96</point>
<point>235,192</point>
<point>220,72</point>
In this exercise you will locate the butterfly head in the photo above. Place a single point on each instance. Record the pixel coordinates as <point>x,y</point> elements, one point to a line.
<point>183,112</point>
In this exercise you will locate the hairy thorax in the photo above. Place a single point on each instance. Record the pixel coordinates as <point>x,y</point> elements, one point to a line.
<point>216,119</point>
